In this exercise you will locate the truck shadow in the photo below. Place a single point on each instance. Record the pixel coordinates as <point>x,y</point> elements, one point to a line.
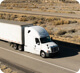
<point>66,49</point>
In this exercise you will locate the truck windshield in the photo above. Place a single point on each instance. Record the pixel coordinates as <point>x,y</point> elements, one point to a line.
<point>45,39</point>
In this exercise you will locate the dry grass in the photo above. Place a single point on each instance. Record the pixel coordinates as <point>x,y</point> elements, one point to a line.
<point>72,31</point>
<point>22,19</point>
<point>59,7</point>
<point>3,67</point>
<point>60,32</point>
<point>38,19</point>
<point>43,21</point>
<point>49,31</point>
<point>6,69</point>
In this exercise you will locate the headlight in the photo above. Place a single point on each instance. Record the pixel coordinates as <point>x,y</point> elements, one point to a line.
<point>48,51</point>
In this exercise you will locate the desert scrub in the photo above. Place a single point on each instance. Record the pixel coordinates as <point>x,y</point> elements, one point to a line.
<point>35,22</point>
<point>13,17</point>
<point>22,19</point>
<point>60,32</point>
<point>49,31</point>
<point>72,31</point>
<point>40,22</point>
<point>3,67</point>
<point>72,21</point>
<point>6,69</point>
<point>60,22</point>
<point>50,19</point>
<point>37,19</point>
<point>1,16</point>
<point>9,7</point>
<point>71,12</point>
<point>31,18</point>
<point>43,25</point>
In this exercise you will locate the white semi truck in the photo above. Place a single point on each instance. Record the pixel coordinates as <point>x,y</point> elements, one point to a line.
<point>26,37</point>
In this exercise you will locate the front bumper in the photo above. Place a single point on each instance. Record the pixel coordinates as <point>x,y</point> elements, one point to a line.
<point>51,54</point>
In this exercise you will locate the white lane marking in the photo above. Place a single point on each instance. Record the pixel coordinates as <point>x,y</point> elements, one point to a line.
<point>40,60</point>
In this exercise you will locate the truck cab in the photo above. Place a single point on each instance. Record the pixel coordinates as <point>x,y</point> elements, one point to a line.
<point>37,41</point>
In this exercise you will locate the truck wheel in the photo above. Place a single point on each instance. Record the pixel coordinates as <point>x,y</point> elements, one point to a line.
<point>15,46</point>
<point>43,54</point>
<point>12,45</point>
<point>20,48</point>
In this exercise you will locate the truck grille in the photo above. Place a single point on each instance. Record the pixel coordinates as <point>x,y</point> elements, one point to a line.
<point>54,49</point>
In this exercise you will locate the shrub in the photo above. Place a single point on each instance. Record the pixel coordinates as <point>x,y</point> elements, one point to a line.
<point>72,21</point>
<point>72,31</point>
<point>0,16</point>
<point>71,12</point>
<point>3,67</point>
<point>49,31</point>
<point>35,22</point>
<point>31,17</point>
<point>40,21</point>
<point>59,22</point>
<point>9,8</point>
<point>49,19</point>
<point>61,32</point>
<point>13,17</point>
<point>8,70</point>
<point>22,19</point>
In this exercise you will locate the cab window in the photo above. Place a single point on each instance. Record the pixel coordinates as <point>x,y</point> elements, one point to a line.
<point>45,39</point>
<point>37,41</point>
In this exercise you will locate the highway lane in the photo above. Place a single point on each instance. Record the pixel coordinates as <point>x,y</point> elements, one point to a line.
<point>42,13</point>
<point>67,61</point>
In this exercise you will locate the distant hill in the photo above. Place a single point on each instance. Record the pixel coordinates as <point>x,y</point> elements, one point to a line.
<point>22,1</point>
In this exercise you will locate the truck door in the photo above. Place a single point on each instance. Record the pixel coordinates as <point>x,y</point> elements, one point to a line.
<point>29,41</point>
<point>37,46</point>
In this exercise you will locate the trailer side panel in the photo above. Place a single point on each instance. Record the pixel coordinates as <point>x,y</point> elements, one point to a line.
<point>11,33</point>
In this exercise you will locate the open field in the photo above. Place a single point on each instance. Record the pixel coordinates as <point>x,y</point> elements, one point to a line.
<point>57,6</point>
<point>59,28</point>
<point>6,69</point>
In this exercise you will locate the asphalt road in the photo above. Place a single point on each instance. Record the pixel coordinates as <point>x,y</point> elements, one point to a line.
<point>42,13</point>
<point>67,61</point>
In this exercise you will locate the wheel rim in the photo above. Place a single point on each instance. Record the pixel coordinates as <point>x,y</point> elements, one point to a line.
<point>20,48</point>
<point>43,54</point>
<point>15,46</point>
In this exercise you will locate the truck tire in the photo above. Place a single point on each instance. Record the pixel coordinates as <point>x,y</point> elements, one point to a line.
<point>20,48</point>
<point>12,45</point>
<point>43,54</point>
<point>15,46</point>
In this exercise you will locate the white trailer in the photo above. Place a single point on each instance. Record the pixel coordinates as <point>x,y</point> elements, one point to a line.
<point>26,37</point>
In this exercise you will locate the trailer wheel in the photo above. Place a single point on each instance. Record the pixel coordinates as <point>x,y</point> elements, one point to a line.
<point>15,46</point>
<point>11,44</point>
<point>20,48</point>
<point>43,54</point>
